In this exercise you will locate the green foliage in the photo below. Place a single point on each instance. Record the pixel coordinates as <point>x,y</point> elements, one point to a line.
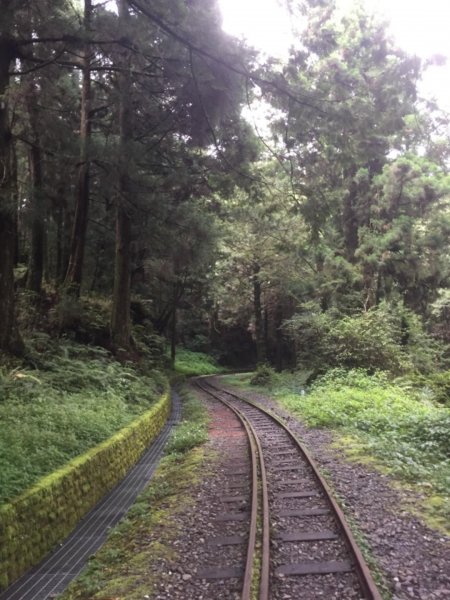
<point>58,501</point>
<point>86,319</point>
<point>408,433</point>
<point>387,337</point>
<point>195,363</point>
<point>264,375</point>
<point>439,384</point>
<point>440,315</point>
<point>79,397</point>
<point>192,431</point>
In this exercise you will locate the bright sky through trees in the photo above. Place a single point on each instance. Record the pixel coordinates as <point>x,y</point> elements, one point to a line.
<point>419,27</point>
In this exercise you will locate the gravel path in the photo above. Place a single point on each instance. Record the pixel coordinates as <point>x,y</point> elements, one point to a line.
<point>414,558</point>
<point>201,522</point>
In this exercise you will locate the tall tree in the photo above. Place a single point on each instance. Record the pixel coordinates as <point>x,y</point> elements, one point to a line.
<point>9,338</point>
<point>37,199</point>
<point>78,239</point>
<point>121,321</point>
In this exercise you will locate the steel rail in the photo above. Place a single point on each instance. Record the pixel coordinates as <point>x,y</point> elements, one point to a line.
<point>364,575</point>
<point>256,453</point>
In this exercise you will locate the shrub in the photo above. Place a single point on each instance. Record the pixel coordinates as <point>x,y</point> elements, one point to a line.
<point>388,337</point>
<point>439,384</point>
<point>263,375</point>
<point>85,319</point>
<point>79,397</point>
<point>195,363</point>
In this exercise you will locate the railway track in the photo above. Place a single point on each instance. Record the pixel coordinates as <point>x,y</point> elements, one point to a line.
<point>298,544</point>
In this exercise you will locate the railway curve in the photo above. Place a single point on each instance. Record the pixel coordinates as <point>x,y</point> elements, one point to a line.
<point>302,540</point>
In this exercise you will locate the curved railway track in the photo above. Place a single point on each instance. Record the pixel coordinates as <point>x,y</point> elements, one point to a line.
<point>298,540</point>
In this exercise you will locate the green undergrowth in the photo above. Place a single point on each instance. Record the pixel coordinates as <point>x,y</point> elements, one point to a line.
<point>74,398</point>
<point>396,426</point>
<point>131,564</point>
<point>195,363</point>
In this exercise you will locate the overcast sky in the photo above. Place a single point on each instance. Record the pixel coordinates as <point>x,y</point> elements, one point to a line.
<point>419,27</point>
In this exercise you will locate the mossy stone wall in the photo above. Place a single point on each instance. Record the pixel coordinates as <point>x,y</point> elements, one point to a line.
<point>34,522</point>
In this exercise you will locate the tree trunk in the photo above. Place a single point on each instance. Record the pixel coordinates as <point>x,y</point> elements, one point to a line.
<point>173,329</point>
<point>15,200</point>
<point>97,268</point>
<point>350,222</point>
<point>78,239</point>
<point>58,217</point>
<point>121,321</point>
<point>259,330</point>
<point>278,337</point>
<point>9,337</point>
<point>371,281</point>
<point>37,249</point>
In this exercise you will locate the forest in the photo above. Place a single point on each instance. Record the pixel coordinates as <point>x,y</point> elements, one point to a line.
<point>152,219</point>
<point>138,204</point>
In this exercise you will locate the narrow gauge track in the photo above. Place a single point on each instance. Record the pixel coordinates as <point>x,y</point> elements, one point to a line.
<point>303,545</point>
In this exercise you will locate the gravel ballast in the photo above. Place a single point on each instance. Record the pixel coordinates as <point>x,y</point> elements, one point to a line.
<point>414,559</point>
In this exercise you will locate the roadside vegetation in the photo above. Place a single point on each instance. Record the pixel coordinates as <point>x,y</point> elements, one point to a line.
<point>68,397</point>
<point>398,424</point>
<point>192,363</point>
<point>144,539</point>
<point>76,398</point>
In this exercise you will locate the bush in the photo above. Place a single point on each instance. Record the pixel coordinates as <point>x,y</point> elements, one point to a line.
<point>85,319</point>
<point>195,363</point>
<point>439,384</point>
<point>263,375</point>
<point>388,337</point>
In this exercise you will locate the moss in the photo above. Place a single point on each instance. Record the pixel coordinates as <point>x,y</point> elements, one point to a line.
<point>144,540</point>
<point>431,509</point>
<point>434,506</point>
<point>58,501</point>
<point>355,450</point>
<point>377,574</point>
<point>257,557</point>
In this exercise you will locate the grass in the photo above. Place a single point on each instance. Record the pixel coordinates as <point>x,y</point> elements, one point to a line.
<point>195,363</point>
<point>398,428</point>
<point>76,397</point>
<point>131,563</point>
<point>192,430</point>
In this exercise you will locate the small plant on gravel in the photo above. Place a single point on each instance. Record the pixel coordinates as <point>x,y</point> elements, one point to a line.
<point>264,375</point>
